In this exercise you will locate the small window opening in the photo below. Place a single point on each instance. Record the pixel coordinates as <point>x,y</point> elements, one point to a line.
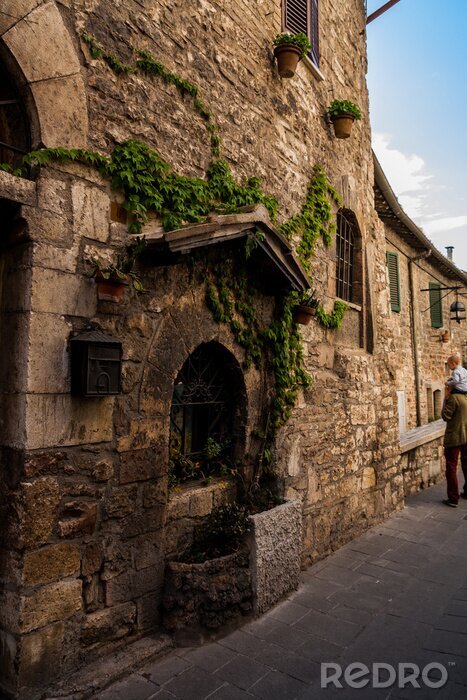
<point>14,125</point>
<point>205,418</point>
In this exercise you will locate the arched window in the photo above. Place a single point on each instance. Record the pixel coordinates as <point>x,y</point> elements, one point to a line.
<point>14,125</point>
<point>348,258</point>
<point>206,416</point>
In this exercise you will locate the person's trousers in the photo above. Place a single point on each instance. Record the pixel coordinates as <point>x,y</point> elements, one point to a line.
<point>452,457</point>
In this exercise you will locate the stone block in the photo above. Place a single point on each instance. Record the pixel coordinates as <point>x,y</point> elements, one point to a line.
<point>148,614</point>
<point>155,493</point>
<point>368,478</point>
<point>10,611</point>
<point>17,189</point>
<point>109,625</point>
<point>133,584</point>
<point>139,465</point>
<point>13,361</point>
<point>58,601</point>
<point>86,421</point>
<point>77,518</point>
<point>91,212</point>
<point>12,426</point>
<point>52,194</point>
<point>121,501</point>
<point>44,463</point>
<point>200,503</point>
<point>40,656</point>
<point>178,505</point>
<point>48,367</point>
<point>103,471</point>
<point>36,511</point>
<point>50,58</point>
<point>46,226</point>
<point>62,293</point>
<point>8,661</point>
<point>67,126</point>
<point>362,414</point>
<point>50,563</point>
<point>92,558</point>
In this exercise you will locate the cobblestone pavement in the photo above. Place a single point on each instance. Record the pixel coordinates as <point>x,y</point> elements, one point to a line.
<point>398,594</point>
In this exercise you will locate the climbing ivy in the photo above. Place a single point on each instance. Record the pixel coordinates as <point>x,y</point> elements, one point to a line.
<point>335,318</point>
<point>146,63</point>
<point>150,185</point>
<point>231,296</point>
<point>315,218</point>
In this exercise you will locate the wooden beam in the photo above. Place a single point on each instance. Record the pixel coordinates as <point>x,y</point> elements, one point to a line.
<point>382,9</point>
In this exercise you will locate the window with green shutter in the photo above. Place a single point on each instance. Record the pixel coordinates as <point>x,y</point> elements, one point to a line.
<point>436,307</point>
<point>392,262</point>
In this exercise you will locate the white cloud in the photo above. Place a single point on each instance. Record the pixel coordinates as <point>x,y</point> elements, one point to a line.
<point>448,223</point>
<point>404,173</point>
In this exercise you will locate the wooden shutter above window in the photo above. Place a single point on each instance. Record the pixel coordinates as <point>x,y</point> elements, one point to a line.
<point>302,16</point>
<point>436,307</point>
<point>392,262</point>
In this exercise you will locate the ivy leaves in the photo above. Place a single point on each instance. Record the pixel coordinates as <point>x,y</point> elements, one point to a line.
<point>315,219</point>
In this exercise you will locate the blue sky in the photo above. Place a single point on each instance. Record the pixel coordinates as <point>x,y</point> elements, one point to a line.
<point>417,78</point>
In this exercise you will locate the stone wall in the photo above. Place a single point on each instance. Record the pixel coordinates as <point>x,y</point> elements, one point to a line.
<point>423,466</point>
<point>432,352</point>
<point>88,525</point>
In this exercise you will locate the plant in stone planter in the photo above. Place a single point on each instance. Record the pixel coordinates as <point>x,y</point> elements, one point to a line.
<point>223,532</point>
<point>305,309</point>
<point>343,113</point>
<point>112,278</point>
<point>289,50</point>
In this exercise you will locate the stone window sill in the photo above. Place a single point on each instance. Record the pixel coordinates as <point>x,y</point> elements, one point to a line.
<point>421,435</point>
<point>351,305</point>
<point>314,70</point>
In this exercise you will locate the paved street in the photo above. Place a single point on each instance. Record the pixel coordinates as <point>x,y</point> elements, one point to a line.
<point>398,594</point>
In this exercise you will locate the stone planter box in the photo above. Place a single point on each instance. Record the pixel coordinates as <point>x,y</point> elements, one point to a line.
<point>275,553</point>
<point>200,599</point>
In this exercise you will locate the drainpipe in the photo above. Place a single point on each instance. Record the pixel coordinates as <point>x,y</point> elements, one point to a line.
<point>416,366</point>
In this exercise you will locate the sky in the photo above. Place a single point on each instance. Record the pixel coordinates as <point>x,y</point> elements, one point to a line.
<point>417,80</point>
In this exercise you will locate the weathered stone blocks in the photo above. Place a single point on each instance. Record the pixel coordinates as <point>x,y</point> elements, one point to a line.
<point>50,563</point>
<point>58,601</point>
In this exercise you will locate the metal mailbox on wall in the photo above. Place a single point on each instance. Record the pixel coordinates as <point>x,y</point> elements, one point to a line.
<point>96,361</point>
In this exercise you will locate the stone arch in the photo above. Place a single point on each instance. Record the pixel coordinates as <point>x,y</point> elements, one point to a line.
<point>38,50</point>
<point>215,405</point>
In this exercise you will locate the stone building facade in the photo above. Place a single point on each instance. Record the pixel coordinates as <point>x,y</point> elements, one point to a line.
<point>425,284</point>
<point>87,517</point>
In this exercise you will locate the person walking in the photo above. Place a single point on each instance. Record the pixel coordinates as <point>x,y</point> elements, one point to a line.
<point>454,412</point>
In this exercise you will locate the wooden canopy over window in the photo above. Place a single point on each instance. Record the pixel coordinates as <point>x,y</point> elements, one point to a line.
<point>279,259</point>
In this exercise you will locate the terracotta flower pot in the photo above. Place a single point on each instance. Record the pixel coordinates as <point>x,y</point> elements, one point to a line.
<point>302,314</point>
<point>343,125</point>
<point>288,56</point>
<point>110,289</point>
<point>445,337</point>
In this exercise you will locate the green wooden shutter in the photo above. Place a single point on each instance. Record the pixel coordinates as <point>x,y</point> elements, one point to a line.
<point>436,307</point>
<point>392,262</point>
<point>314,31</point>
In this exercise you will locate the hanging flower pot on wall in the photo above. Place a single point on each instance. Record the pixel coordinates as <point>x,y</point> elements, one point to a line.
<point>110,289</point>
<point>306,309</point>
<point>343,113</point>
<point>289,50</point>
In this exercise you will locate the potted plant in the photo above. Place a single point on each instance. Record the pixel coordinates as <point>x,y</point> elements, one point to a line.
<point>289,50</point>
<point>343,113</point>
<point>304,310</point>
<point>112,278</point>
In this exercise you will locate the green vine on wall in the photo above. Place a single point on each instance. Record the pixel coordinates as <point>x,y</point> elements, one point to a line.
<point>146,63</point>
<point>315,218</point>
<point>150,185</point>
